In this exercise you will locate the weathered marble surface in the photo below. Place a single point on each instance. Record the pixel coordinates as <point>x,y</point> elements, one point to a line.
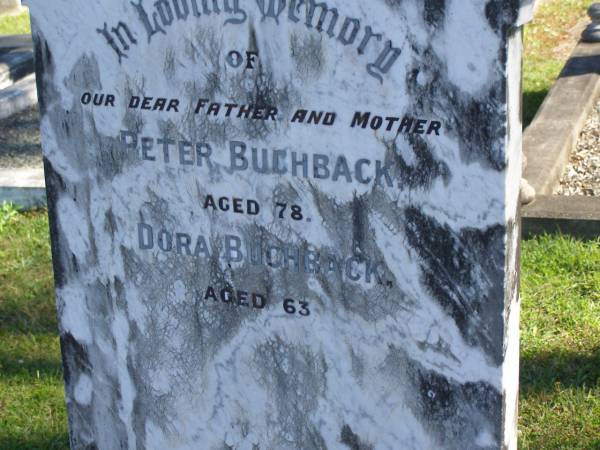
<point>419,352</point>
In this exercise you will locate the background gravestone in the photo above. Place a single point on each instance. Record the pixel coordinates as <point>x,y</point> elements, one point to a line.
<point>284,224</point>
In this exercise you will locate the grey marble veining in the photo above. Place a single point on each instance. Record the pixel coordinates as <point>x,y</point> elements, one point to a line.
<point>284,224</point>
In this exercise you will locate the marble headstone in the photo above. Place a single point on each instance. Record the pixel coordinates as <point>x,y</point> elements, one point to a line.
<point>284,224</point>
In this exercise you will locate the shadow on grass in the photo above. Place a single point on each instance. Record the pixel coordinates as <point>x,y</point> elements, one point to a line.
<point>29,316</point>
<point>532,100</point>
<point>31,367</point>
<point>38,441</point>
<point>15,323</point>
<point>543,371</point>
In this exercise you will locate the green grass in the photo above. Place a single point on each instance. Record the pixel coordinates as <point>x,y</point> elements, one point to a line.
<point>32,411</point>
<point>15,24</point>
<point>560,376</point>
<point>560,347</point>
<point>542,62</point>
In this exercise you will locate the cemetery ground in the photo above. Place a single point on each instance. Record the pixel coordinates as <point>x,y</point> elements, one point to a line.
<point>560,373</point>
<point>15,24</point>
<point>560,286</point>
<point>549,39</point>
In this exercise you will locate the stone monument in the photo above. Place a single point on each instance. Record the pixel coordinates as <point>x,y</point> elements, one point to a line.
<point>285,224</point>
<point>592,31</point>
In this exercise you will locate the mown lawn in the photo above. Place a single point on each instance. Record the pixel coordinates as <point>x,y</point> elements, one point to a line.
<point>544,58</point>
<point>560,377</point>
<point>560,344</point>
<point>15,24</point>
<point>32,411</point>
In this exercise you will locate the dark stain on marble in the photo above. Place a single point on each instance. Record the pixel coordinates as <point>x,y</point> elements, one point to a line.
<point>55,186</point>
<point>44,67</point>
<point>499,16</point>
<point>308,55</point>
<point>476,120</point>
<point>464,273</point>
<point>435,12</point>
<point>352,440</point>
<point>423,172</point>
<point>455,415</point>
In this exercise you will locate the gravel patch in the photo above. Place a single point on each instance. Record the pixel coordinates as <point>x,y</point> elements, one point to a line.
<point>582,174</point>
<point>20,141</point>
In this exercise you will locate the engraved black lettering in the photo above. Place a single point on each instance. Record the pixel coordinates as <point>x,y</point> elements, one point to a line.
<point>342,170</point>
<point>182,9</point>
<point>360,119</point>
<point>129,140</point>
<point>124,37</point>
<point>271,8</point>
<point>201,249</point>
<point>164,12</point>
<point>151,28</point>
<point>210,294</point>
<point>233,7</point>
<point>434,127</point>
<point>343,37</point>
<point>204,153</point>
<point>210,203</point>
<point>300,116</point>
<point>145,236</point>
<point>325,12</point>
<point>147,146</point>
<point>237,151</point>
<point>384,61</point>
<point>365,41</point>
<point>183,244</point>
<point>233,252</point>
